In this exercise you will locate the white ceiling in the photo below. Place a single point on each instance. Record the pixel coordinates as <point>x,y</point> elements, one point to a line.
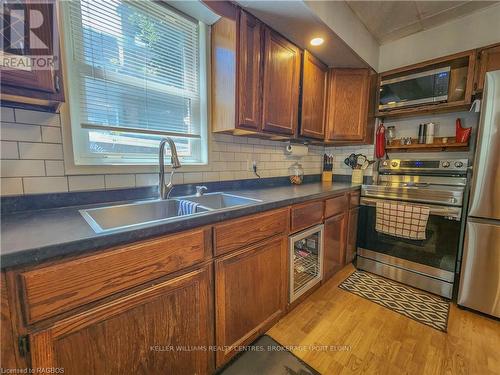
<point>297,22</point>
<point>391,20</point>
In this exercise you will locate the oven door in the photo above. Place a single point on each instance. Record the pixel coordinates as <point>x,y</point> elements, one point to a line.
<point>438,250</point>
<point>425,264</point>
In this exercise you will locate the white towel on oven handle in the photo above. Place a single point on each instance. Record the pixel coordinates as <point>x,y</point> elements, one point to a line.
<point>402,220</point>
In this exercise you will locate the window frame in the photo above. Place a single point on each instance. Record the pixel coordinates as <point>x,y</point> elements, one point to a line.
<point>74,134</point>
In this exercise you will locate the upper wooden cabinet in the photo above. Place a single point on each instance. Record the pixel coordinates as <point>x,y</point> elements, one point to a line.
<point>349,118</point>
<point>488,60</point>
<point>280,98</point>
<point>314,82</point>
<point>255,78</point>
<point>249,72</point>
<point>39,86</point>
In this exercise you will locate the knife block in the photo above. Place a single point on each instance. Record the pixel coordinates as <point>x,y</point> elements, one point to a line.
<point>326,176</point>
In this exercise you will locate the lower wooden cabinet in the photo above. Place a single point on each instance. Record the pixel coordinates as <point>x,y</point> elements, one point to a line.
<point>334,244</point>
<point>250,294</point>
<point>352,234</point>
<point>135,334</point>
<point>7,351</point>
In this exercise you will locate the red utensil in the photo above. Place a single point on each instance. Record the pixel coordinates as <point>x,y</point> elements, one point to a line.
<point>461,134</point>
<point>380,141</point>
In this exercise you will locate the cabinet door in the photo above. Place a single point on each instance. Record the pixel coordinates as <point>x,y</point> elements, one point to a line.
<point>249,72</point>
<point>7,353</point>
<point>27,77</point>
<point>250,293</point>
<point>281,84</point>
<point>147,332</point>
<point>489,60</point>
<point>314,79</point>
<point>348,96</point>
<point>335,245</point>
<point>352,234</point>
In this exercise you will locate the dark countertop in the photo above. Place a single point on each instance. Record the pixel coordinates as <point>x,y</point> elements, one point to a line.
<point>31,237</point>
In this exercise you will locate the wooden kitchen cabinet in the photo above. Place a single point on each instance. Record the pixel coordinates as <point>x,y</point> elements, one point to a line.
<point>314,82</point>
<point>134,334</point>
<point>335,236</point>
<point>63,286</point>
<point>255,78</point>
<point>238,233</point>
<point>249,72</point>
<point>30,87</point>
<point>7,352</point>
<point>489,60</point>
<point>352,233</point>
<point>250,293</point>
<point>350,116</point>
<point>280,98</point>
<point>306,215</point>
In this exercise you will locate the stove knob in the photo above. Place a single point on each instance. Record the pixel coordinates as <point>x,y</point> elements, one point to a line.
<point>459,164</point>
<point>445,164</point>
<point>394,164</point>
<point>385,163</point>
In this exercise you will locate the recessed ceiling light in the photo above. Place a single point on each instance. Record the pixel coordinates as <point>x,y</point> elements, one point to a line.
<point>317,41</point>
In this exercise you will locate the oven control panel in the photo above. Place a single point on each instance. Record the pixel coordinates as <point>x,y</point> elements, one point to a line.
<point>457,165</point>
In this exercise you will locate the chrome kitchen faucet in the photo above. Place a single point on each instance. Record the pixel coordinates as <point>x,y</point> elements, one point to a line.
<point>165,190</point>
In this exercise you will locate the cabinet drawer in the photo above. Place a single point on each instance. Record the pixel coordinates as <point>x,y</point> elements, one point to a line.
<point>354,199</point>
<point>336,205</point>
<point>306,215</point>
<point>58,288</point>
<point>237,233</point>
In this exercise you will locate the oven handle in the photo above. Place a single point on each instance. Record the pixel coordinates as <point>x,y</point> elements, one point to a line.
<point>454,213</point>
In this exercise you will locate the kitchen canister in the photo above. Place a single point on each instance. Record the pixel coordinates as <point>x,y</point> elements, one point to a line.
<point>429,134</point>
<point>296,173</point>
<point>357,176</point>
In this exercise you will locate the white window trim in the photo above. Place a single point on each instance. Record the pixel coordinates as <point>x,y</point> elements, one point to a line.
<point>71,168</point>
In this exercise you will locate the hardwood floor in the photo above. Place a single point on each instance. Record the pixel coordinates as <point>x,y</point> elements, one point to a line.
<point>380,341</point>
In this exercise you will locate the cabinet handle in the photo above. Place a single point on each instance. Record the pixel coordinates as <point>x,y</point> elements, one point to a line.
<point>57,83</point>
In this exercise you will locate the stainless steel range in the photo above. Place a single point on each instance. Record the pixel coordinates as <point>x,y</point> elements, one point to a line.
<point>427,263</point>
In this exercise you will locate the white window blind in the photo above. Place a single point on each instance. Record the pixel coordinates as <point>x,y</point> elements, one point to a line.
<point>136,72</point>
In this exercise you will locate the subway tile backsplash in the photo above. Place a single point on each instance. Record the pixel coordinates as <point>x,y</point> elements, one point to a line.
<point>32,159</point>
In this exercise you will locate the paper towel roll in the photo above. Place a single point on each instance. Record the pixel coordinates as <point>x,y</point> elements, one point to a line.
<point>296,150</point>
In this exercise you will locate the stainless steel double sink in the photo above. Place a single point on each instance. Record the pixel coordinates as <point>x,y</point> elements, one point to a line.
<point>108,218</point>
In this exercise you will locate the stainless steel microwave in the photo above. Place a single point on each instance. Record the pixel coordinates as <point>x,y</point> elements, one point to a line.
<point>420,88</point>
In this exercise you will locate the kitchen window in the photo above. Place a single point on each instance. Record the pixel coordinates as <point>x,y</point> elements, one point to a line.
<point>136,72</point>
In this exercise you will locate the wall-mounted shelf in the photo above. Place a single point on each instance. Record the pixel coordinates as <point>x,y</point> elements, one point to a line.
<point>423,110</point>
<point>438,145</point>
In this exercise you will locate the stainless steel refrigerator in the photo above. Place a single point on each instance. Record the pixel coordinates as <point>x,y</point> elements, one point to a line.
<point>480,273</point>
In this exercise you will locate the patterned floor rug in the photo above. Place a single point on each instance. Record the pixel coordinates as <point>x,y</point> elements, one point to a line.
<point>422,307</point>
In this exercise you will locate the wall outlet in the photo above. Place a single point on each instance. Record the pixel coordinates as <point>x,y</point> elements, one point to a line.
<point>251,164</point>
